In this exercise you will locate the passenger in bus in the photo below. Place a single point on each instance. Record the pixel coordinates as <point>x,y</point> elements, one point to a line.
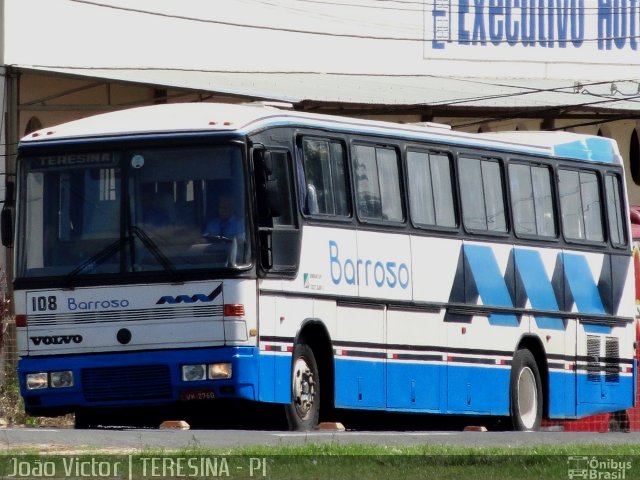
<point>156,209</point>
<point>227,224</point>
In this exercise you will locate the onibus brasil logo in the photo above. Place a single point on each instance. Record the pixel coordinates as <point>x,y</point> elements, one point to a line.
<point>595,468</point>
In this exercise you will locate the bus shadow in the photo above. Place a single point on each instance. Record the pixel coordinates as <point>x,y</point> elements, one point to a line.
<point>255,416</point>
<point>247,415</point>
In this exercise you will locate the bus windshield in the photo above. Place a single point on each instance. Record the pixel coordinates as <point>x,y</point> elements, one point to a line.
<point>128,211</point>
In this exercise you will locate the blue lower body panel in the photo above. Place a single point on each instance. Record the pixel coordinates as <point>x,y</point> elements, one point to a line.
<point>138,379</point>
<point>598,395</point>
<point>275,378</point>
<point>468,389</point>
<point>415,386</point>
<point>562,394</point>
<point>478,390</point>
<point>422,387</point>
<point>360,384</point>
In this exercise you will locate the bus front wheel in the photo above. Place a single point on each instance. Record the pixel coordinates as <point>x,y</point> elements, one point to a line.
<point>525,392</point>
<point>304,410</point>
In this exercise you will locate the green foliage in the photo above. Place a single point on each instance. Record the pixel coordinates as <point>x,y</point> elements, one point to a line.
<point>11,405</point>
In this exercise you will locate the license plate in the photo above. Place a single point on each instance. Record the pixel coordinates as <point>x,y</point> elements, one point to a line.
<point>196,395</point>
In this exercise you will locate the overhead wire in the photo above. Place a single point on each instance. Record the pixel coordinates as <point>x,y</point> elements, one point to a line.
<point>543,110</point>
<point>452,4</point>
<point>340,35</point>
<point>506,118</point>
<point>246,25</point>
<point>355,5</point>
<point>472,80</point>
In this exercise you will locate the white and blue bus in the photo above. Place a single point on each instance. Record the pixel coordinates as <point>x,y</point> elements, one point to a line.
<point>199,252</point>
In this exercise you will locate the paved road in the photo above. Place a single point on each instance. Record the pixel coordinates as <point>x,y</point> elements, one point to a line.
<point>135,440</point>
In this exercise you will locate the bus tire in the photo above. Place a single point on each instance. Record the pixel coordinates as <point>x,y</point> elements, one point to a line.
<point>525,392</point>
<point>304,410</point>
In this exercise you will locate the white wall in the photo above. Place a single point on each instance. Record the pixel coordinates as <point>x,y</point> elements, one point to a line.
<point>516,39</point>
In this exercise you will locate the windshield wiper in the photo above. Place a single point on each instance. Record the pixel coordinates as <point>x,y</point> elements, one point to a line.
<point>110,250</point>
<point>102,256</point>
<point>156,252</point>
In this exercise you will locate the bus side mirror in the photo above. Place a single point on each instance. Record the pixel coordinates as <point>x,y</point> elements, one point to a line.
<point>268,184</point>
<point>274,198</point>
<point>10,193</point>
<point>6,226</point>
<point>267,162</point>
<point>6,217</point>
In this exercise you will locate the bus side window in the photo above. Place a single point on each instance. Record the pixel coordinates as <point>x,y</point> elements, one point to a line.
<point>580,205</point>
<point>532,201</point>
<point>326,178</point>
<point>430,189</point>
<point>378,199</point>
<point>615,210</point>
<point>483,206</point>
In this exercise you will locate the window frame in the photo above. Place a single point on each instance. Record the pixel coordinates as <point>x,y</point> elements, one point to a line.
<point>424,149</point>
<point>300,138</point>
<point>505,195</point>
<point>554,201</point>
<point>624,214</point>
<point>354,143</point>
<point>603,217</point>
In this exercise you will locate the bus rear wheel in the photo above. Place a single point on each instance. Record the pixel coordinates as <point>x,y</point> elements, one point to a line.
<point>304,410</point>
<point>525,392</point>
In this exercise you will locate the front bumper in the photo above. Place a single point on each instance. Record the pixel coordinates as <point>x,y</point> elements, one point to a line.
<point>137,379</point>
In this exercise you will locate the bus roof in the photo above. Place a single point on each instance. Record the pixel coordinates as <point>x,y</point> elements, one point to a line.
<point>216,117</point>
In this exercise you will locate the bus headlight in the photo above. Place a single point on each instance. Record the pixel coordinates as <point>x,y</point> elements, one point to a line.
<point>219,371</point>
<point>36,381</point>
<point>192,373</point>
<point>61,379</point>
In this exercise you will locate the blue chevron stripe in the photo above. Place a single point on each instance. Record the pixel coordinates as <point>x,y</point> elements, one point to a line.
<point>535,280</point>
<point>484,277</point>
<point>580,282</point>
<point>487,275</point>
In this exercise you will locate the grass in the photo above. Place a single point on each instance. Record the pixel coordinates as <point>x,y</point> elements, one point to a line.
<point>358,462</point>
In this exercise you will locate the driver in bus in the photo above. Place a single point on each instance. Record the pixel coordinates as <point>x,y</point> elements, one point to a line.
<point>227,224</point>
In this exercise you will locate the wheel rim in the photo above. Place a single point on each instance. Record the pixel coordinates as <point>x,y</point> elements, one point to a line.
<point>527,398</point>
<point>304,388</point>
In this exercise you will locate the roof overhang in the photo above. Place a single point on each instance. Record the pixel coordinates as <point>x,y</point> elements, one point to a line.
<point>336,92</point>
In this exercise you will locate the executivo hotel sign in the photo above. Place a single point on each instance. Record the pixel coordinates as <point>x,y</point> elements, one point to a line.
<point>605,25</point>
